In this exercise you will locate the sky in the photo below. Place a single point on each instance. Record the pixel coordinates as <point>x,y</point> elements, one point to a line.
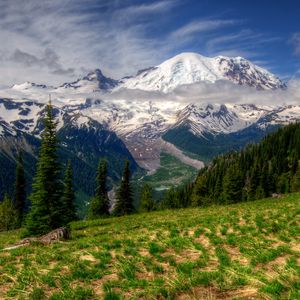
<point>57,41</point>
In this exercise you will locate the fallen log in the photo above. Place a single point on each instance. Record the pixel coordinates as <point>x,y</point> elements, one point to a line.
<point>53,236</point>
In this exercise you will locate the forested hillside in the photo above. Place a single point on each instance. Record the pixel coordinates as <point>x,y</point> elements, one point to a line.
<point>258,171</point>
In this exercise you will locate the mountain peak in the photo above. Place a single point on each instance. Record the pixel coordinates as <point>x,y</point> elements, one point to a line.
<point>93,81</point>
<point>189,68</point>
<point>94,75</point>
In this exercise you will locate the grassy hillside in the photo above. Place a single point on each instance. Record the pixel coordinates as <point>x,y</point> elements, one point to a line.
<point>242,251</point>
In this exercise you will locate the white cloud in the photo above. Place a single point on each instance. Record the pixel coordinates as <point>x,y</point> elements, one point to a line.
<point>81,35</point>
<point>54,41</point>
<point>200,26</point>
<point>151,8</point>
<point>219,92</point>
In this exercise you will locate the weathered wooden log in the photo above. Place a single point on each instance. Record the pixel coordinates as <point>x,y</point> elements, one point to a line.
<point>53,236</point>
<point>58,234</point>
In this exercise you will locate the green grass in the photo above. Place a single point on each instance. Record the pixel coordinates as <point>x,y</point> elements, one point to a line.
<point>241,251</point>
<point>172,172</point>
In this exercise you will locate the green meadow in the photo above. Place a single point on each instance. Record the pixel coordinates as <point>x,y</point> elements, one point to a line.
<point>241,251</point>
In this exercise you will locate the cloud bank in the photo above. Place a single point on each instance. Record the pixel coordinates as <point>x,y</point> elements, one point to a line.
<point>220,92</point>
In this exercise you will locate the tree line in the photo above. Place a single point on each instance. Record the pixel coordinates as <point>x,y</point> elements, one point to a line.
<point>258,171</point>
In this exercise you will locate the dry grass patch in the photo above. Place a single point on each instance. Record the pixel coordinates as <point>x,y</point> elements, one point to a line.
<point>188,255</point>
<point>209,293</point>
<point>235,254</point>
<point>88,257</point>
<point>203,240</point>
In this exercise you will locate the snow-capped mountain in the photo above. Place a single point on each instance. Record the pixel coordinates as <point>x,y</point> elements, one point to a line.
<point>189,68</point>
<point>225,119</point>
<point>140,122</point>
<point>93,82</point>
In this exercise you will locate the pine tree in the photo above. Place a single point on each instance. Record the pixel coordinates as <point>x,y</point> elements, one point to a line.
<point>20,191</point>
<point>232,185</point>
<point>46,210</point>
<point>295,182</point>
<point>254,182</point>
<point>147,201</point>
<point>8,214</point>
<point>170,199</point>
<point>99,205</point>
<point>200,191</point>
<point>68,197</point>
<point>283,185</point>
<point>124,201</point>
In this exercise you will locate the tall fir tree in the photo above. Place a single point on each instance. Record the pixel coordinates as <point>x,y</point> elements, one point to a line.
<point>20,191</point>
<point>170,199</point>
<point>68,197</point>
<point>232,185</point>
<point>147,202</point>
<point>99,205</point>
<point>124,199</point>
<point>295,182</point>
<point>46,211</point>
<point>8,214</point>
<point>199,195</point>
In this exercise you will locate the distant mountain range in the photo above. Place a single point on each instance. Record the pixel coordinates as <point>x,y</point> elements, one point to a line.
<point>98,117</point>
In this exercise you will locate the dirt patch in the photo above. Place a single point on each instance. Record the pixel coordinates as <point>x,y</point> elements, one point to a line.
<point>244,293</point>
<point>203,240</point>
<point>166,266</point>
<point>152,236</point>
<point>191,232</point>
<point>277,244</point>
<point>236,255</point>
<point>144,252</point>
<point>4,288</point>
<point>230,230</point>
<point>97,285</point>
<point>88,257</point>
<point>211,293</point>
<point>189,255</point>
<point>113,254</point>
<point>273,268</point>
<point>241,222</point>
<point>295,247</point>
<point>145,275</point>
<point>168,252</point>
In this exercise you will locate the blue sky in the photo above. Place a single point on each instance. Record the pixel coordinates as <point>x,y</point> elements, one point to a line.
<point>53,41</point>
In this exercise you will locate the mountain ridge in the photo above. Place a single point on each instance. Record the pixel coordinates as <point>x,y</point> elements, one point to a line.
<point>139,122</point>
